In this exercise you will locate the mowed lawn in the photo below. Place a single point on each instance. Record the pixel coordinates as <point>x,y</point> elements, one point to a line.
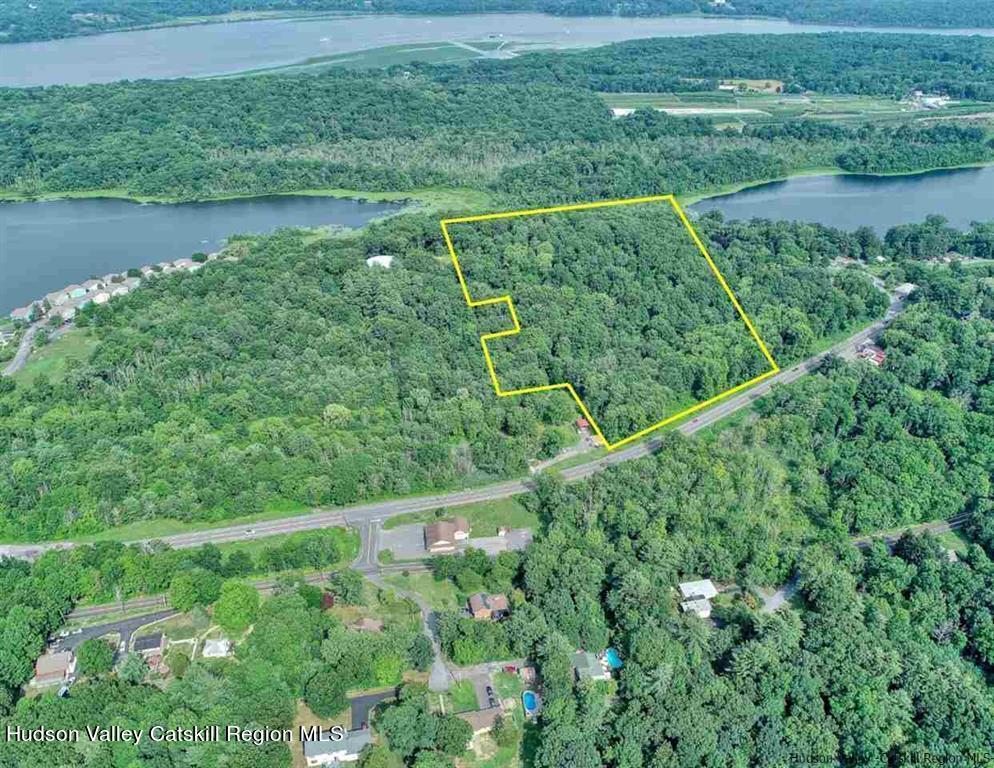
<point>51,359</point>
<point>484,517</point>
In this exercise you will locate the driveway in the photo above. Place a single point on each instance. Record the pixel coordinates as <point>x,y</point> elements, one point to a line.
<point>361,706</point>
<point>125,628</point>
<point>519,538</point>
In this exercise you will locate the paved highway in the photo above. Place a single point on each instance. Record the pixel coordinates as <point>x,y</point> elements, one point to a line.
<point>373,513</point>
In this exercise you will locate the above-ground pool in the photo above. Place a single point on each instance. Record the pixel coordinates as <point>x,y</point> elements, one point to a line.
<point>612,658</point>
<point>530,700</point>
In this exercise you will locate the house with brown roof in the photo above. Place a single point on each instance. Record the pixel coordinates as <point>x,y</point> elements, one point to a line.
<point>481,720</point>
<point>22,314</point>
<point>54,668</point>
<point>444,535</point>
<point>483,606</point>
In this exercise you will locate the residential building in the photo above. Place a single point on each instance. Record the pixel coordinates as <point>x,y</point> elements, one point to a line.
<point>55,298</point>
<point>148,645</point>
<point>698,606</point>
<point>586,666</point>
<point>120,289</point>
<point>147,271</point>
<point>331,751</point>
<point>54,668</point>
<point>872,354</point>
<point>66,312</point>
<point>92,285</point>
<point>75,291</point>
<point>697,596</point>
<point>484,606</point>
<point>379,261</point>
<point>217,649</point>
<point>443,536</point>
<point>100,297</point>
<point>481,720</point>
<point>188,264</point>
<point>131,282</point>
<point>704,588</point>
<point>22,314</point>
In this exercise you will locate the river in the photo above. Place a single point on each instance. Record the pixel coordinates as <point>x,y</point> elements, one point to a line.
<point>47,245</point>
<point>210,49</point>
<point>881,202</point>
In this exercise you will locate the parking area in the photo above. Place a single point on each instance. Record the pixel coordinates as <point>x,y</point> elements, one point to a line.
<point>519,538</point>
<point>407,542</point>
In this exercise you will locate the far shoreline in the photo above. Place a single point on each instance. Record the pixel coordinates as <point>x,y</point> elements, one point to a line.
<point>449,198</point>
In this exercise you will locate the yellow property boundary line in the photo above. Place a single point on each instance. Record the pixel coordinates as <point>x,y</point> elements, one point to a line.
<point>506,299</point>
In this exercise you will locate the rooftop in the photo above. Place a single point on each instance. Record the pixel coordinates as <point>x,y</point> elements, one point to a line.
<point>148,642</point>
<point>703,588</point>
<point>481,719</point>
<point>352,743</point>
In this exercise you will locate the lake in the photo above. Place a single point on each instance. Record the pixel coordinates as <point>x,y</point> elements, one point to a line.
<point>210,49</point>
<point>47,245</point>
<point>881,202</point>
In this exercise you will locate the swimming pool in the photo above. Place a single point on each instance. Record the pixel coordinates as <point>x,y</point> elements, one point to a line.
<point>612,658</point>
<point>530,700</point>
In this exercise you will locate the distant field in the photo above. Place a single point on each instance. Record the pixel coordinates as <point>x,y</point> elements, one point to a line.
<point>779,107</point>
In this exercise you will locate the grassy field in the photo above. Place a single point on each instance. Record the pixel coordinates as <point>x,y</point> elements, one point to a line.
<point>463,697</point>
<point>772,108</point>
<point>346,538</point>
<point>51,359</point>
<point>440,595</point>
<point>484,517</point>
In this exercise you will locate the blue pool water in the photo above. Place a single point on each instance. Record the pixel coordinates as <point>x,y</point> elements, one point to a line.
<point>530,701</point>
<point>612,658</point>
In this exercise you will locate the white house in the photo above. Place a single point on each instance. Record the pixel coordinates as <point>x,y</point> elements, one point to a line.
<point>379,261</point>
<point>217,649</point>
<point>331,751</point>
<point>697,596</point>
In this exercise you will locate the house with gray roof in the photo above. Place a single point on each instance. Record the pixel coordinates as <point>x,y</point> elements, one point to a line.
<point>587,666</point>
<point>332,751</point>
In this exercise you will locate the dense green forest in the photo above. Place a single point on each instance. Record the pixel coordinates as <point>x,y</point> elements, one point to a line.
<point>21,20</point>
<point>531,129</point>
<point>834,62</point>
<point>619,303</point>
<point>522,143</point>
<point>300,373</point>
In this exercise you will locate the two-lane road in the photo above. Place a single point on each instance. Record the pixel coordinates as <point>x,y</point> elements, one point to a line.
<point>361,514</point>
